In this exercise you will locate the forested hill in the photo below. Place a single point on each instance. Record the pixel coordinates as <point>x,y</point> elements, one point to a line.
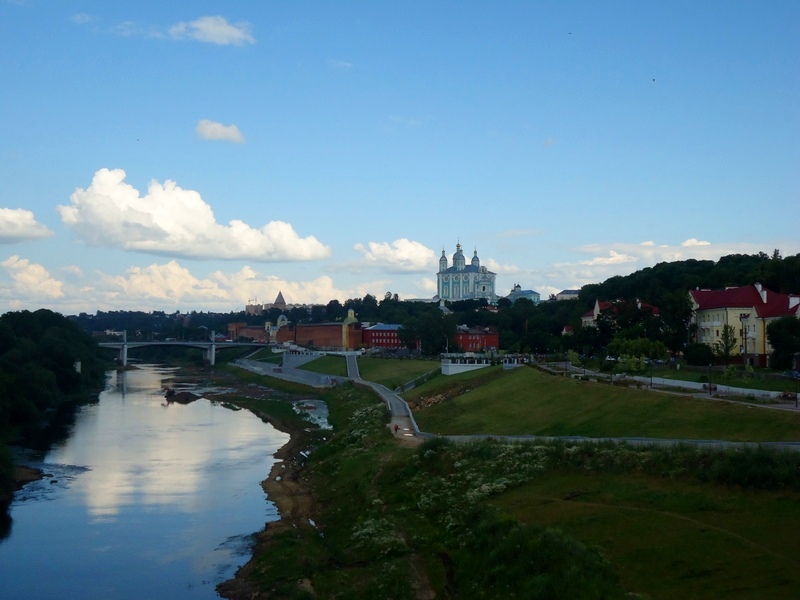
<point>38,356</point>
<point>653,284</point>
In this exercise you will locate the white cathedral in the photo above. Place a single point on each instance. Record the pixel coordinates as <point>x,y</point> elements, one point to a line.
<point>464,281</point>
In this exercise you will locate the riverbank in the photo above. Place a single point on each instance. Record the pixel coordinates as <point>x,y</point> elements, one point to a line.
<point>285,484</point>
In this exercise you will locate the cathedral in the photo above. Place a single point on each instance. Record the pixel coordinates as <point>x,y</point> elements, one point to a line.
<point>464,281</point>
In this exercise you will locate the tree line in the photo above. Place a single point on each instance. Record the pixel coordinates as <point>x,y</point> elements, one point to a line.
<point>524,326</point>
<point>45,360</point>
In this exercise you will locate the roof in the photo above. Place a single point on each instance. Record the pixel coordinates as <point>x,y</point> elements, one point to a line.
<point>466,269</point>
<point>477,330</point>
<point>766,303</point>
<point>601,306</point>
<point>384,327</point>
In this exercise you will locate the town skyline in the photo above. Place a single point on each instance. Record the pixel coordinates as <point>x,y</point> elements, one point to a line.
<point>178,158</point>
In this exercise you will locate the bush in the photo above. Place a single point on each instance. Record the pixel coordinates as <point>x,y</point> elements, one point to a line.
<point>699,355</point>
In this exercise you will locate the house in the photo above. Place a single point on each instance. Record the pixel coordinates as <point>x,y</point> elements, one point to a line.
<point>477,339</point>
<point>568,295</point>
<point>517,292</point>
<point>338,336</point>
<point>748,309</point>
<point>381,335</point>
<point>243,330</point>
<point>589,319</point>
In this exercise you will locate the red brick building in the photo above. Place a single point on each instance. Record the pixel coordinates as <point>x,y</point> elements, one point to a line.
<point>381,335</point>
<point>477,339</point>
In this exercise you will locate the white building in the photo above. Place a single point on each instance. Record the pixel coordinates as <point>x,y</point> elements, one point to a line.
<point>463,281</point>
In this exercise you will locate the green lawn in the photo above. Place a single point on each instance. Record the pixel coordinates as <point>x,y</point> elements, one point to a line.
<point>759,381</point>
<point>329,365</point>
<point>394,372</point>
<point>671,538</point>
<point>266,355</point>
<point>527,401</point>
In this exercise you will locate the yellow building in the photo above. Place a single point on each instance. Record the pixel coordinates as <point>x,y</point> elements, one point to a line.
<point>749,310</point>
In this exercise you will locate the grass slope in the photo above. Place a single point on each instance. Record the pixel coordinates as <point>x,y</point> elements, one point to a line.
<point>327,365</point>
<point>673,538</point>
<point>527,401</point>
<point>393,372</point>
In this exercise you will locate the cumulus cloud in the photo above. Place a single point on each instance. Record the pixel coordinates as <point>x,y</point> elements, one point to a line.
<point>19,225</point>
<point>213,30</point>
<point>613,258</point>
<point>30,279</point>
<point>211,130</point>
<point>169,281</point>
<point>172,221</point>
<point>400,256</point>
<point>426,286</point>
<point>695,242</point>
<point>500,269</point>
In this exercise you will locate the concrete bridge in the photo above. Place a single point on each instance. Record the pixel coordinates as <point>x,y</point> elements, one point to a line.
<point>209,348</point>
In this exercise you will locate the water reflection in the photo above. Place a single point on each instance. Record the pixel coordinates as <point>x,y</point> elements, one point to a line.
<point>142,500</point>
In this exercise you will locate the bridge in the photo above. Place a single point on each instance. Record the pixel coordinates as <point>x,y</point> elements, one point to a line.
<point>209,348</point>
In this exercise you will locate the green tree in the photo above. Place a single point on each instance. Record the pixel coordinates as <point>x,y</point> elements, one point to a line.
<point>725,347</point>
<point>699,355</point>
<point>784,337</point>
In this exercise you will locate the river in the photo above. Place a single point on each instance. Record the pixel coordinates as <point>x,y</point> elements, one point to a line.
<point>144,499</point>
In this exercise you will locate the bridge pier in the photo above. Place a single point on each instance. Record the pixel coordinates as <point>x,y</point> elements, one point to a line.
<point>123,352</point>
<point>211,353</point>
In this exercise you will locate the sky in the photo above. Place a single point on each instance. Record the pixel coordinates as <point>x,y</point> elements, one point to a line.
<point>197,156</point>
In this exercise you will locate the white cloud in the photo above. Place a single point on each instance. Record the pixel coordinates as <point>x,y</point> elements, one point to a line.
<point>18,225</point>
<point>248,284</point>
<point>214,30</point>
<point>171,221</point>
<point>170,282</point>
<point>401,256</point>
<point>211,130</point>
<point>613,258</point>
<point>427,286</point>
<point>496,267</point>
<point>30,279</point>
<point>695,242</point>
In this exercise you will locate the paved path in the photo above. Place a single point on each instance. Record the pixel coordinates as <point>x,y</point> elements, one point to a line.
<point>407,427</point>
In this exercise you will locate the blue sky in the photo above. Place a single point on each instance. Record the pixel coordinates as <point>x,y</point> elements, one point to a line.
<point>193,156</point>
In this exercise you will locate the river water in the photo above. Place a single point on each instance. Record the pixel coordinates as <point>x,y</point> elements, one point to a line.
<point>143,500</point>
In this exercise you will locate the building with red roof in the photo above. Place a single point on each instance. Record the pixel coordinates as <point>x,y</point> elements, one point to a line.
<point>589,319</point>
<point>748,309</point>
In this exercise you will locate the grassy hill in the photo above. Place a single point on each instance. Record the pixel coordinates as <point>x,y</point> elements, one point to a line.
<point>526,401</point>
